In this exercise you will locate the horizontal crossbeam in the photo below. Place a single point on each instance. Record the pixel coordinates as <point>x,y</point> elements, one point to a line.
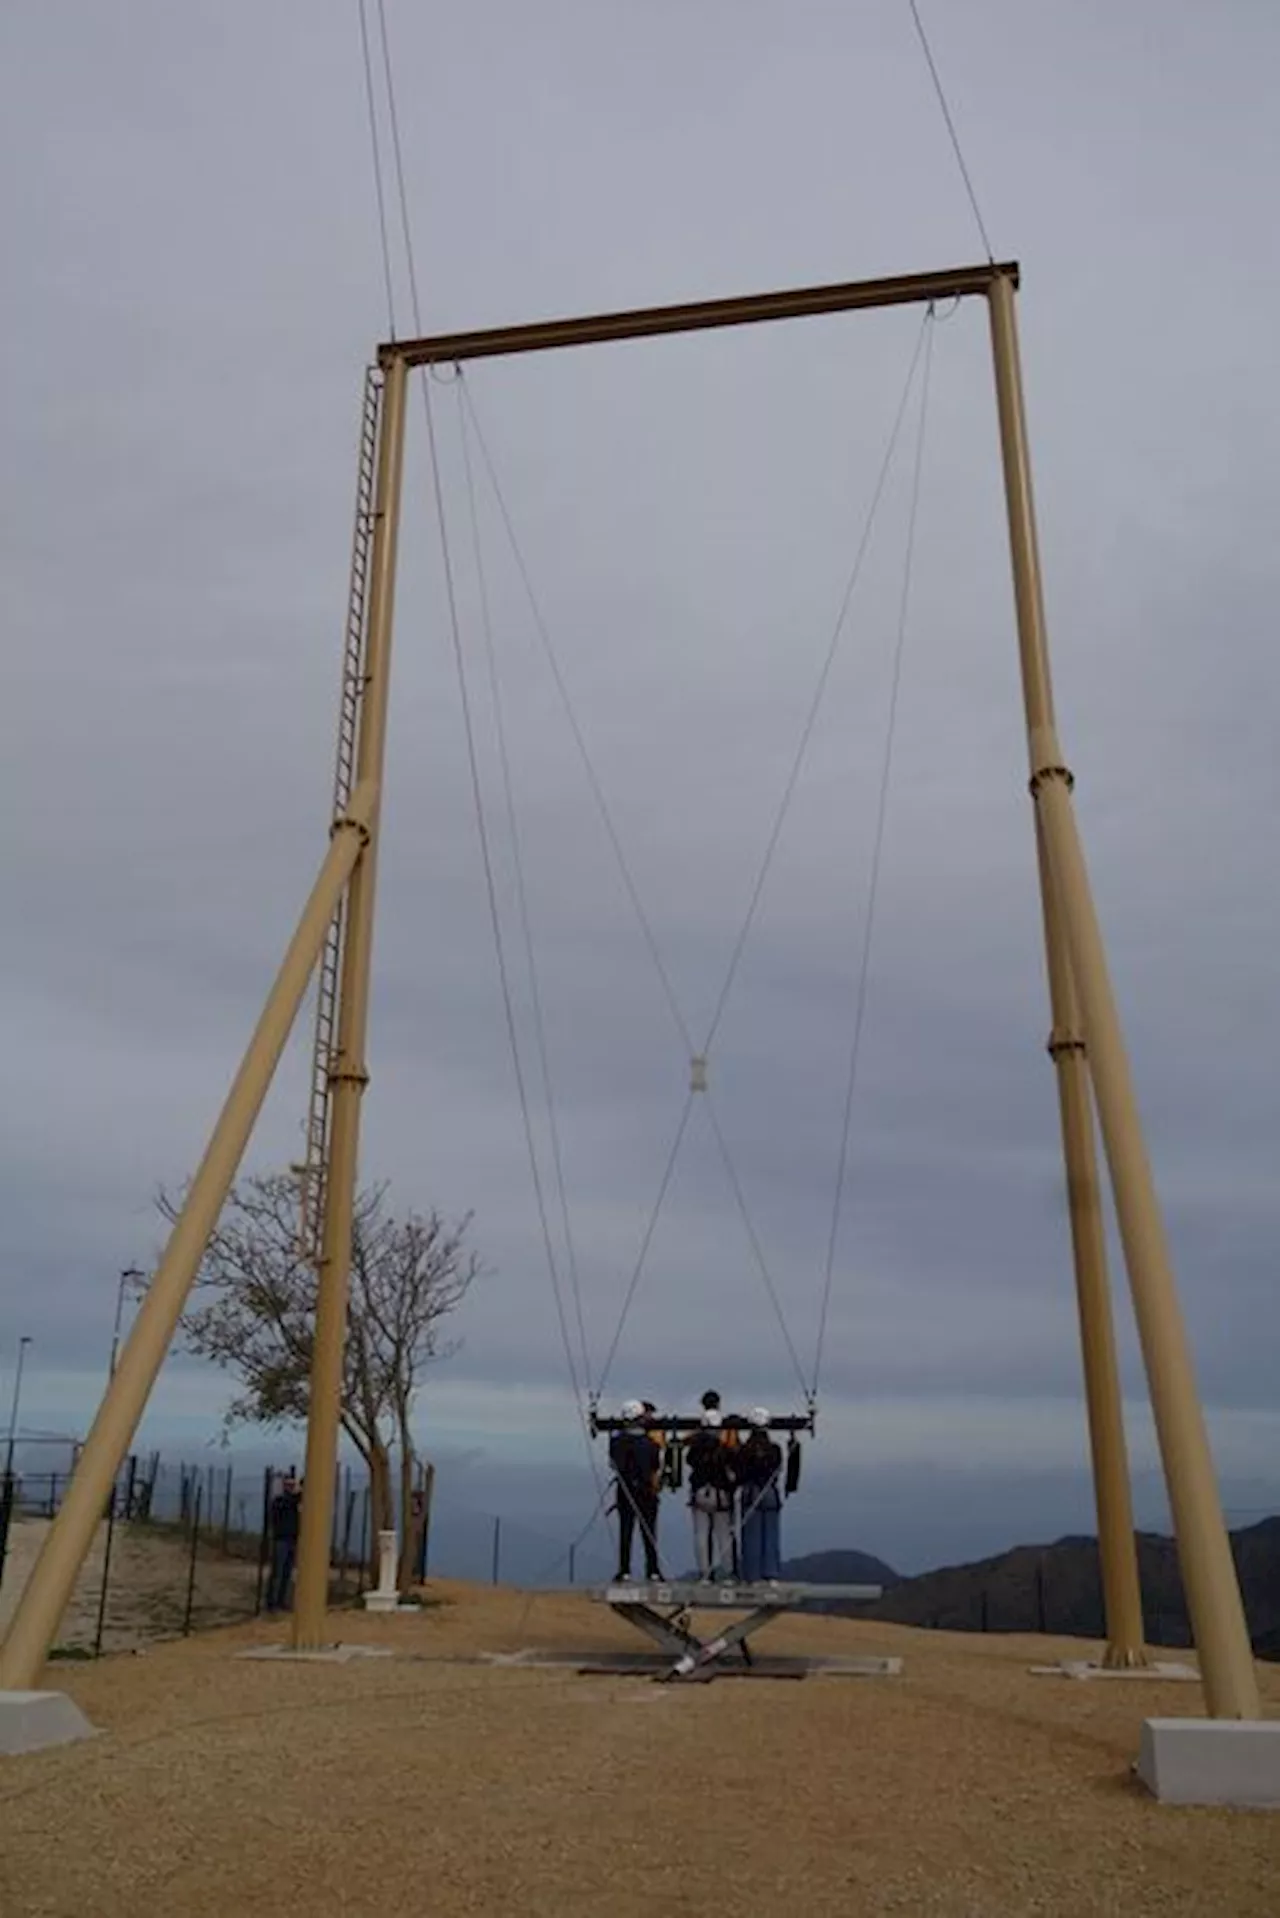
<point>792,303</point>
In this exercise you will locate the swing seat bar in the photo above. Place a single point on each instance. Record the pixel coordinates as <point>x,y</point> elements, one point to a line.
<point>676,1422</point>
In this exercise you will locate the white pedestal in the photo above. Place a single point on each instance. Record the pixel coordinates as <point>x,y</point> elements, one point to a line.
<point>1211,1761</point>
<point>29,1721</point>
<point>385,1598</point>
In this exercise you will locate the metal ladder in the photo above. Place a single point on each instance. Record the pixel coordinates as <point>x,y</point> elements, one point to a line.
<point>324,1047</point>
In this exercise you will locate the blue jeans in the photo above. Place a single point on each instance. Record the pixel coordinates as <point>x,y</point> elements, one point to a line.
<point>761,1544</point>
<point>283,1553</point>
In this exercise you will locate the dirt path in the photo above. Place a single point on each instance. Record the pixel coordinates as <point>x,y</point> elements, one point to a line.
<point>429,1783</point>
<point>147,1595</point>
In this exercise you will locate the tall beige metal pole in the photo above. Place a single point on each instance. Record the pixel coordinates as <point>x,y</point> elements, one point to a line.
<point>51,1583</point>
<point>1117,1549</point>
<point>350,1076</point>
<point>1204,1551</point>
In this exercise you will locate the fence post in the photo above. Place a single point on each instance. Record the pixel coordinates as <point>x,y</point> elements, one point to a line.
<point>53,1494</point>
<point>8,1491</point>
<point>226,1513</point>
<point>262,1538</point>
<point>147,1489</point>
<point>191,1569</point>
<point>573,1555</point>
<point>497,1547</point>
<point>348,1514</point>
<point>428,1495</point>
<point>106,1574</point>
<point>364,1540</point>
<point>334,1518</point>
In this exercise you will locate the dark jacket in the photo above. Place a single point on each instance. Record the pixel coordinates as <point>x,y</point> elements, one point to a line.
<point>760,1472</point>
<point>635,1458</point>
<point>710,1462</point>
<point>285,1510</point>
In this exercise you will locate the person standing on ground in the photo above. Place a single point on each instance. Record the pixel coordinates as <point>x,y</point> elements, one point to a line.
<point>286,1513</point>
<point>636,1461</point>
<point>711,1483</point>
<point>759,1466</point>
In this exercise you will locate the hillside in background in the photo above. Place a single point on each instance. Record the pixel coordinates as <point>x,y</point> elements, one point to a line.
<point>841,1568</point>
<point>1056,1588</point>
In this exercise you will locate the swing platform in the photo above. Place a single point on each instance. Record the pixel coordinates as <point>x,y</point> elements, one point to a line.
<point>660,1609</point>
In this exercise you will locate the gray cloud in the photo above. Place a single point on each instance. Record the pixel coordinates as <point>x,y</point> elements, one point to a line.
<point>193,289</point>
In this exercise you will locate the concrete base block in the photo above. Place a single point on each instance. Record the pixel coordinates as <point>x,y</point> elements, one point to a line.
<point>387,1602</point>
<point>1168,1671</point>
<point>326,1655</point>
<point>1211,1761</point>
<point>30,1721</point>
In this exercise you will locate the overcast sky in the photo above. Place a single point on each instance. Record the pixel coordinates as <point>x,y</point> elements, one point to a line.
<point>193,285</point>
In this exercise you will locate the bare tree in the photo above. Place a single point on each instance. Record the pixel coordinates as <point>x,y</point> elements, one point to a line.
<point>252,1311</point>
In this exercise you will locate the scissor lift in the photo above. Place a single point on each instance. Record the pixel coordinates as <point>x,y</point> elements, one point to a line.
<point>663,1611</point>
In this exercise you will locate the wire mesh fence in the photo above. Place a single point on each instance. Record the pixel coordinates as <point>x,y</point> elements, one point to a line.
<point>187,1546</point>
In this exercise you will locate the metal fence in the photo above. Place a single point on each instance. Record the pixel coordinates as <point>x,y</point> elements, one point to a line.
<point>185,1546</point>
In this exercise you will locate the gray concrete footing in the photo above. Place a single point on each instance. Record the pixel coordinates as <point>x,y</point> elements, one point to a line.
<point>1212,1761</point>
<point>324,1655</point>
<point>31,1721</point>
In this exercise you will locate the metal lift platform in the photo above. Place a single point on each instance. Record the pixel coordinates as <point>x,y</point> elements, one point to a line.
<point>662,1610</point>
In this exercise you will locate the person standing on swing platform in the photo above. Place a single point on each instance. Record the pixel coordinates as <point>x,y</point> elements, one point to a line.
<point>711,1484</point>
<point>760,1476</point>
<point>635,1460</point>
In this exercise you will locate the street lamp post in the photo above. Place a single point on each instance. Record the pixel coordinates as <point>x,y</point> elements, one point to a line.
<point>7,1484</point>
<point>130,1272</point>
<point>23,1343</point>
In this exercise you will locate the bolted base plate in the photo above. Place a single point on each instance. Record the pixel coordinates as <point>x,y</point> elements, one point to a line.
<point>323,1655</point>
<point>1168,1672</point>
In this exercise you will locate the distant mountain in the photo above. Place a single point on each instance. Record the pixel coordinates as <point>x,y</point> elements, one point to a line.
<point>840,1568</point>
<point>1053,1588</point>
<point>1058,1589</point>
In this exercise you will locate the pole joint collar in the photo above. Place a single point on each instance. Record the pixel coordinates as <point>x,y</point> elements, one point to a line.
<point>1043,774</point>
<point>1064,1039</point>
<point>345,823</point>
<point>349,1076</point>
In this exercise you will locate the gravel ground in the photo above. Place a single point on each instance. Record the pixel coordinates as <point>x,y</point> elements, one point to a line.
<point>431,1783</point>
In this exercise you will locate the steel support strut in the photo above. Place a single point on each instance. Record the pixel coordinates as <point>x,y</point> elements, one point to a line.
<point>44,1600</point>
<point>349,1071</point>
<point>1204,1552</point>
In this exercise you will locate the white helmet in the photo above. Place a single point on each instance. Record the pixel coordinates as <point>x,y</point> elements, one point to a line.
<point>632,1410</point>
<point>759,1415</point>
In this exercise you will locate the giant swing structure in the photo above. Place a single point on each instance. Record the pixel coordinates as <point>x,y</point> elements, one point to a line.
<point>334,936</point>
